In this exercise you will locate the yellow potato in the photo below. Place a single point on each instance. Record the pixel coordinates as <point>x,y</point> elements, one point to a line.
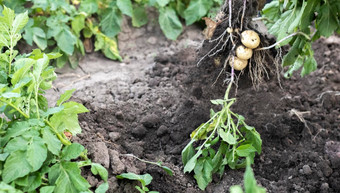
<point>243,53</point>
<point>250,39</point>
<point>239,64</point>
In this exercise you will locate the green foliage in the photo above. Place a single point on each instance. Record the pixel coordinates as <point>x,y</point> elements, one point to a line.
<point>250,185</point>
<point>61,26</point>
<point>143,179</point>
<point>311,19</point>
<point>32,140</point>
<point>227,140</point>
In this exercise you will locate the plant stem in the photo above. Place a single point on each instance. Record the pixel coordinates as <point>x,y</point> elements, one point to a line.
<point>230,13</point>
<point>243,12</point>
<point>63,140</point>
<point>142,160</point>
<point>284,39</point>
<point>16,108</point>
<point>36,102</point>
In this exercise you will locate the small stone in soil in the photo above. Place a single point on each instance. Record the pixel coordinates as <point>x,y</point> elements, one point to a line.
<point>114,136</point>
<point>139,131</point>
<point>162,130</point>
<point>150,120</point>
<point>307,170</point>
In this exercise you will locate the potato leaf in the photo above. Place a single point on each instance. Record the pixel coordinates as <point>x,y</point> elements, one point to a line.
<point>99,169</point>
<point>72,151</point>
<point>169,22</point>
<point>125,6</point>
<point>16,166</point>
<point>65,96</point>
<point>196,10</point>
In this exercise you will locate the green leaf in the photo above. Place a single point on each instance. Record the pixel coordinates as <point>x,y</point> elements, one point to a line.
<point>99,169</point>
<point>255,139</point>
<point>72,151</point>
<point>34,181</point>
<point>108,46</point>
<point>327,20</point>
<point>16,166</point>
<point>47,189</point>
<point>66,41</point>
<point>236,189</point>
<point>245,150</point>
<point>102,188</point>
<point>110,21</point>
<point>16,144</point>
<point>78,24</point>
<point>217,102</point>
<point>139,16</point>
<point>187,153</point>
<point>69,179</point>
<point>190,165</point>
<point>74,108</point>
<point>169,22</point>
<point>309,65</point>
<point>52,111</point>
<point>203,172</point>
<point>308,14</point>
<point>68,122</point>
<point>19,22</point>
<point>167,170</point>
<point>196,10</point>
<point>162,3</point>
<point>25,66</point>
<point>250,185</point>
<point>39,38</point>
<point>88,6</point>
<point>61,61</point>
<point>5,188</point>
<point>125,6</point>
<point>227,137</point>
<point>144,179</point>
<point>3,156</point>
<point>65,96</point>
<point>36,153</point>
<point>53,143</point>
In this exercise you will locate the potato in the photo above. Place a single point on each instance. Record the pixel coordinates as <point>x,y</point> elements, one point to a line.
<point>239,64</point>
<point>243,53</point>
<point>250,39</point>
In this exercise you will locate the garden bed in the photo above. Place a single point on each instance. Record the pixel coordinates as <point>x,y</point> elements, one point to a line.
<point>149,104</point>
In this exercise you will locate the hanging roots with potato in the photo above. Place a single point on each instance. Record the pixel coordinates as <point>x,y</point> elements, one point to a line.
<point>233,43</point>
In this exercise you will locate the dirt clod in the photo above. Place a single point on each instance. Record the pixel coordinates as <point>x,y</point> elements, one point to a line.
<point>99,153</point>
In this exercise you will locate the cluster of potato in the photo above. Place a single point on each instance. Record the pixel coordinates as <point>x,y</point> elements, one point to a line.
<point>250,40</point>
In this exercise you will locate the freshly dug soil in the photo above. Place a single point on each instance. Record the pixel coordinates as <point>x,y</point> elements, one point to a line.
<point>149,105</point>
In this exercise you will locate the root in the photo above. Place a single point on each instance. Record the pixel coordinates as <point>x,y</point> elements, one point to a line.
<point>258,72</point>
<point>223,44</point>
<point>301,118</point>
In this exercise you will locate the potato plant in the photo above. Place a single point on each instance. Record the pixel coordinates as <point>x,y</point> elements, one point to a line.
<point>224,140</point>
<point>70,26</point>
<point>299,23</point>
<point>35,154</point>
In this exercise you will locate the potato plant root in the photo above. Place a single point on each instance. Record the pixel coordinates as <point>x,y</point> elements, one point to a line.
<point>148,106</point>
<point>222,44</point>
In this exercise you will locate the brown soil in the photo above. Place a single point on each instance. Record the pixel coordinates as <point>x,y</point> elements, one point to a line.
<point>148,106</point>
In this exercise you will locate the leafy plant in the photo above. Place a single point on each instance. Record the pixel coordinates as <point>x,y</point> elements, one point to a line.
<point>226,129</point>
<point>143,179</point>
<point>146,178</point>
<point>250,185</point>
<point>309,19</point>
<point>35,154</point>
<point>67,26</point>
